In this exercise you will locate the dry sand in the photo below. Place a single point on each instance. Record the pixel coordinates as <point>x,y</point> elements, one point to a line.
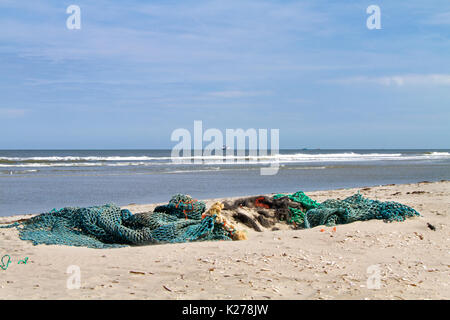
<point>413,260</point>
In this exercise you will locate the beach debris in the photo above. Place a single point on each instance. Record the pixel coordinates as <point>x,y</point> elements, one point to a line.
<point>215,209</point>
<point>24,261</point>
<point>264,221</point>
<point>265,213</point>
<point>109,226</point>
<point>287,208</point>
<point>356,208</point>
<point>419,235</point>
<point>185,219</point>
<point>137,272</point>
<point>261,202</point>
<point>246,219</point>
<point>300,211</point>
<point>5,265</point>
<point>168,289</point>
<point>216,212</point>
<point>429,225</point>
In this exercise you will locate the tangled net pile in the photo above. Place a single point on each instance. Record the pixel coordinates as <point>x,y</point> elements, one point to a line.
<point>109,226</point>
<point>297,216</point>
<point>303,212</point>
<point>356,208</point>
<point>185,219</point>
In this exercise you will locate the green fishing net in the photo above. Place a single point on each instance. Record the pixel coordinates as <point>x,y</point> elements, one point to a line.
<point>299,197</point>
<point>353,208</point>
<point>182,220</point>
<point>356,208</point>
<point>297,215</point>
<point>109,226</point>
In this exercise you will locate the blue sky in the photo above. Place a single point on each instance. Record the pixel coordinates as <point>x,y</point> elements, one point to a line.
<point>137,70</point>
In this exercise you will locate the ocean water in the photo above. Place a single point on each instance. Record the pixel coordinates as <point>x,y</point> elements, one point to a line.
<point>34,181</point>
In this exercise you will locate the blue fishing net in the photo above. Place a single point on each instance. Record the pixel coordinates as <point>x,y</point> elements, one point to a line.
<point>109,226</point>
<point>182,220</point>
<point>356,208</point>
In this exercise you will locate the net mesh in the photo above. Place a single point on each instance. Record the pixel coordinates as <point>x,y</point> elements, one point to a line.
<point>299,197</point>
<point>184,219</point>
<point>356,208</point>
<point>353,208</point>
<point>109,226</point>
<point>296,216</point>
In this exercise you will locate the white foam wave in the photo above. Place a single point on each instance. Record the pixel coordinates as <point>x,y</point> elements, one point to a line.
<point>445,154</point>
<point>72,158</point>
<point>79,164</point>
<point>117,161</point>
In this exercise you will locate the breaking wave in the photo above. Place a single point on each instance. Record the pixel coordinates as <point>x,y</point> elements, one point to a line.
<point>244,159</point>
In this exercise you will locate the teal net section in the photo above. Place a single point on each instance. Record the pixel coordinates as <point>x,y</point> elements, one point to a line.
<point>356,208</point>
<point>109,226</point>
<point>184,219</point>
<point>297,216</point>
<point>299,197</point>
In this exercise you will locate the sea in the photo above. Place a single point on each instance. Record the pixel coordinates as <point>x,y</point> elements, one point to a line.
<point>36,181</point>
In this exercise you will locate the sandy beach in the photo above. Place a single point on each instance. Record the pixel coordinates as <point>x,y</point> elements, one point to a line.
<point>319,263</point>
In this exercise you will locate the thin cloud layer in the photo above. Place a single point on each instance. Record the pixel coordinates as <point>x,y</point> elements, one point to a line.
<point>309,68</point>
<point>400,80</point>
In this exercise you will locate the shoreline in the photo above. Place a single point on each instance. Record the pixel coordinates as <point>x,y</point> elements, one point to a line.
<point>138,208</point>
<point>318,263</point>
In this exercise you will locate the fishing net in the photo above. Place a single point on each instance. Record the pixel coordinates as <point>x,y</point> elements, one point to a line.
<point>296,215</point>
<point>184,219</point>
<point>356,208</point>
<point>299,197</point>
<point>332,212</point>
<point>109,226</point>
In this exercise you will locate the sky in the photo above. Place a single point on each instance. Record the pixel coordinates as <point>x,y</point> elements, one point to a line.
<point>137,70</point>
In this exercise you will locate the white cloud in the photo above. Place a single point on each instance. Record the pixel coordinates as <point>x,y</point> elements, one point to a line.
<point>399,80</point>
<point>195,32</point>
